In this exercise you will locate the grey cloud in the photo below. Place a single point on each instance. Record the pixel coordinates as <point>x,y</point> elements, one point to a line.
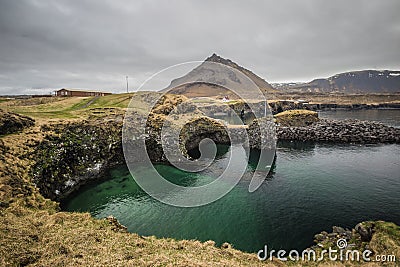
<point>46,44</point>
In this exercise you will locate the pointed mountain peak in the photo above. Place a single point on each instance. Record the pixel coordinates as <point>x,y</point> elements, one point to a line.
<point>216,58</point>
<point>202,69</point>
<point>213,57</point>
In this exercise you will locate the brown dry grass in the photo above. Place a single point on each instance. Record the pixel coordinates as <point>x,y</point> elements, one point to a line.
<point>296,117</point>
<point>33,232</point>
<point>41,238</point>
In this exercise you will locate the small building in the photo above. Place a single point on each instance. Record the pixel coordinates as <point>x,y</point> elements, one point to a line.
<point>79,92</point>
<point>225,99</point>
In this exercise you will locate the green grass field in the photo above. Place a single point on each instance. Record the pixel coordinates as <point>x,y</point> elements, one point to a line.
<point>64,107</point>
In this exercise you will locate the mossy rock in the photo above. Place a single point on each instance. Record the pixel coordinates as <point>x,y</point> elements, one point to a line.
<point>80,152</point>
<point>296,118</point>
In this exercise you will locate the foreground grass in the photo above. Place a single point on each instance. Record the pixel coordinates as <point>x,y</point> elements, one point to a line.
<point>33,232</point>
<point>43,238</point>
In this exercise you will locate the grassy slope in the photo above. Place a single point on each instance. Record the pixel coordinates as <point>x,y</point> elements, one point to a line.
<point>64,107</point>
<point>33,232</point>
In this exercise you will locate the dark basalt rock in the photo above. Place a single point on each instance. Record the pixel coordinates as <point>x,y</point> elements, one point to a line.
<point>365,230</point>
<point>344,131</point>
<point>355,237</point>
<point>81,152</point>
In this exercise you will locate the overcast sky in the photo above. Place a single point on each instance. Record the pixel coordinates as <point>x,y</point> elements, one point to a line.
<point>49,44</point>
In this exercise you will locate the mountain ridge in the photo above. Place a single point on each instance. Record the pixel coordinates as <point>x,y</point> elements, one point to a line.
<point>361,81</point>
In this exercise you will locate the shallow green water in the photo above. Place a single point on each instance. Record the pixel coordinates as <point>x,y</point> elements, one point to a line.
<point>313,187</point>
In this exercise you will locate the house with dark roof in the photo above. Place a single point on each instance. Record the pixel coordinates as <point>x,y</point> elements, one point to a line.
<point>79,92</point>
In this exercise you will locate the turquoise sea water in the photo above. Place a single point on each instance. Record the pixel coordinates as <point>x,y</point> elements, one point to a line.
<point>312,188</point>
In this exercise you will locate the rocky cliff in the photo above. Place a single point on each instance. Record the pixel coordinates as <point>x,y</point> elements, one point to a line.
<point>73,154</point>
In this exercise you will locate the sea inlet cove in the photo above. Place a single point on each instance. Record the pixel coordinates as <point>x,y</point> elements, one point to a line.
<point>220,165</point>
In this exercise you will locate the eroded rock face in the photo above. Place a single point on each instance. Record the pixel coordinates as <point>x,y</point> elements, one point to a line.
<point>77,153</point>
<point>11,122</point>
<point>73,154</point>
<point>262,134</point>
<point>200,128</point>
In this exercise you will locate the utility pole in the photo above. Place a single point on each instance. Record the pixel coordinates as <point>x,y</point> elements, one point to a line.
<point>265,108</point>
<point>127,85</point>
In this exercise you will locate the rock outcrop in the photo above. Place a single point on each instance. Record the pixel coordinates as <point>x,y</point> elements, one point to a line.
<point>75,154</point>
<point>344,131</point>
<point>296,118</point>
<point>357,238</point>
<point>201,128</point>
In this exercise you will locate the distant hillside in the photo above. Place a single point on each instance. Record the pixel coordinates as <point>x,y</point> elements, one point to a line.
<point>366,81</point>
<point>205,85</point>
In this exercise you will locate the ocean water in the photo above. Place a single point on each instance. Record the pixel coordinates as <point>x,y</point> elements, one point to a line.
<point>390,117</point>
<point>312,187</point>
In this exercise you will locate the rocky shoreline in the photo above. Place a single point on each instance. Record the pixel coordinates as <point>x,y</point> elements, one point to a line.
<point>356,238</point>
<point>282,105</point>
<point>343,131</point>
<point>277,106</point>
<point>97,145</point>
<point>76,152</point>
